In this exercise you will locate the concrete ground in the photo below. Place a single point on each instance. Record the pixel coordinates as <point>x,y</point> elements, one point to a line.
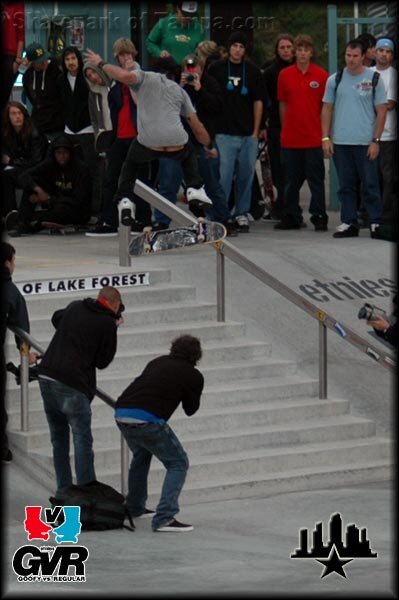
<point>238,547</point>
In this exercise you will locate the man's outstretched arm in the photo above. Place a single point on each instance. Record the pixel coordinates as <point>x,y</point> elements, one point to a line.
<point>122,75</point>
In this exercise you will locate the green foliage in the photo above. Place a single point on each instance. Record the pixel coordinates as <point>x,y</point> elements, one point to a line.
<point>295,18</point>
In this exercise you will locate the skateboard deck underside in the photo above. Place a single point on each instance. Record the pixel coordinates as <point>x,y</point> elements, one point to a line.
<point>170,239</point>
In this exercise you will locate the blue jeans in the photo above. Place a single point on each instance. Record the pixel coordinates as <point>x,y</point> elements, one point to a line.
<point>159,440</point>
<point>67,408</point>
<point>351,163</point>
<point>170,179</point>
<point>302,164</point>
<point>237,156</point>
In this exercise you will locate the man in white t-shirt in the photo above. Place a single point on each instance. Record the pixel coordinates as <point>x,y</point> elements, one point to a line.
<point>388,144</point>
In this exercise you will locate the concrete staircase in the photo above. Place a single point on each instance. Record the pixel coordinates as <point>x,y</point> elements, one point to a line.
<point>261,428</point>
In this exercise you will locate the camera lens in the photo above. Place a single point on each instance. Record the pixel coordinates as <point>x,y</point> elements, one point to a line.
<point>190,77</point>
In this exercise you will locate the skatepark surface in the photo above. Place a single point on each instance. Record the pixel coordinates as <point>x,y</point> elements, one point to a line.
<point>238,547</point>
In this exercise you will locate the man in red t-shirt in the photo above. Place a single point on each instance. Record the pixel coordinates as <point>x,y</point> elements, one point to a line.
<point>13,36</point>
<point>300,90</point>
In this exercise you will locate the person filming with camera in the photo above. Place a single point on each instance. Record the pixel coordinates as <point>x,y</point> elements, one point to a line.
<point>383,327</point>
<point>85,340</point>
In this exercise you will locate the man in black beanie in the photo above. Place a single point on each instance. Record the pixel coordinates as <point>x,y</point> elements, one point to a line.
<point>238,125</point>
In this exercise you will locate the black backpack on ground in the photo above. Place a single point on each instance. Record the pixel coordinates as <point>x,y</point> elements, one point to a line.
<point>101,506</point>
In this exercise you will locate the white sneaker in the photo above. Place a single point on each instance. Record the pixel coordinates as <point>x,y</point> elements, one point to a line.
<point>197,197</point>
<point>127,211</point>
<point>175,526</point>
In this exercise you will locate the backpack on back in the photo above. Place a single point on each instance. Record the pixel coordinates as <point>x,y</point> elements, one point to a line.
<point>338,77</point>
<point>101,506</point>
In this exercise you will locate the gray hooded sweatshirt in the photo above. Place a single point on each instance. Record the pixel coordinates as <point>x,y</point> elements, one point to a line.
<point>98,100</point>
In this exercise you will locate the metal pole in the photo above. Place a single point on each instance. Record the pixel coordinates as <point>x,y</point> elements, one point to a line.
<point>220,287</point>
<point>124,240</point>
<point>24,352</point>
<point>322,361</point>
<point>125,456</point>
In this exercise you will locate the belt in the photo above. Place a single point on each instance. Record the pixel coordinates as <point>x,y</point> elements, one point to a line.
<point>135,424</point>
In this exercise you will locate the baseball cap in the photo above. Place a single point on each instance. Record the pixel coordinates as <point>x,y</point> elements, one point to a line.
<point>385,43</point>
<point>36,54</point>
<point>189,9</point>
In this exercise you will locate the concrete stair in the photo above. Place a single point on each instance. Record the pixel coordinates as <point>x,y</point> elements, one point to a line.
<point>261,428</point>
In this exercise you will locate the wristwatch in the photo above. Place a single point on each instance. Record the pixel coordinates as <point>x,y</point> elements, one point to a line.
<point>376,140</point>
<point>101,64</point>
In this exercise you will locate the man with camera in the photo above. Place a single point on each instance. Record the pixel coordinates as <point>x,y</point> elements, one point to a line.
<point>85,340</point>
<point>376,318</point>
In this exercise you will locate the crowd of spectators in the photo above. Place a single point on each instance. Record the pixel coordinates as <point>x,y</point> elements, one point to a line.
<point>84,120</point>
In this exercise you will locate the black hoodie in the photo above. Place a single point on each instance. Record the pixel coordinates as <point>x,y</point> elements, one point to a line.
<point>270,77</point>
<point>76,101</point>
<point>13,307</point>
<point>69,184</point>
<point>85,340</point>
<point>46,98</point>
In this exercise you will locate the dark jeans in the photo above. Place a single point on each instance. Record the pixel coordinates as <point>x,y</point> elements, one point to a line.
<point>59,212</point>
<point>302,164</point>
<point>273,136</point>
<point>138,155</point>
<point>116,156</point>
<point>389,172</point>
<point>171,177</point>
<point>88,155</point>
<point>352,164</point>
<point>159,440</point>
<point>66,409</point>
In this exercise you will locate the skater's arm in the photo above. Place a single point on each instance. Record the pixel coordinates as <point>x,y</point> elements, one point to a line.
<point>199,130</point>
<point>122,75</point>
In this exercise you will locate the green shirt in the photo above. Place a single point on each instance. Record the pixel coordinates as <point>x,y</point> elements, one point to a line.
<point>178,40</point>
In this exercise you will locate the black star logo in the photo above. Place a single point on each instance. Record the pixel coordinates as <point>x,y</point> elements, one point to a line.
<point>333,563</point>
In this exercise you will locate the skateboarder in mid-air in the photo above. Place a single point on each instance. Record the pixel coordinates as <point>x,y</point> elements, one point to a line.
<point>161,104</point>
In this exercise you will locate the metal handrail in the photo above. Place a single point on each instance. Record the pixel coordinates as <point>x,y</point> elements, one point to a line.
<point>226,249</point>
<point>29,341</point>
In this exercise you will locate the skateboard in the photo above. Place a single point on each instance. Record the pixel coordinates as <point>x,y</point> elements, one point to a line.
<point>61,229</point>
<point>266,180</point>
<point>151,242</point>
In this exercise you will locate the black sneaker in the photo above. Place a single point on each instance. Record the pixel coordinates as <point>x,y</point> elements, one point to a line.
<point>288,222</point>
<point>26,229</point>
<point>145,515</point>
<point>102,230</point>
<point>319,222</point>
<point>159,226</point>
<point>11,220</point>
<point>374,230</point>
<point>7,458</point>
<point>344,230</point>
<point>243,224</point>
<point>272,216</point>
<point>231,228</point>
<point>175,526</point>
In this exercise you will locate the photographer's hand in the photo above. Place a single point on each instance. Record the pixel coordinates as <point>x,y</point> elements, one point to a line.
<point>379,324</point>
<point>119,322</point>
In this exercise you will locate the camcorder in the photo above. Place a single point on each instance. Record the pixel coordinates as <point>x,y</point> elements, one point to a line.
<point>370,312</point>
<point>120,311</point>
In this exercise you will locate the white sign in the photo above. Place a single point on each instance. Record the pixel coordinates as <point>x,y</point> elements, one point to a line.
<point>75,284</point>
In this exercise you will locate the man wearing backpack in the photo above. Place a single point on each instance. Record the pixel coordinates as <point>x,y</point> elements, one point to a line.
<point>353,118</point>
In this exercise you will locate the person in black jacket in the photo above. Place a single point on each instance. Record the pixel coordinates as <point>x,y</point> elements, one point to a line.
<point>284,57</point>
<point>40,85</point>
<point>142,412</point>
<point>385,329</point>
<point>15,313</point>
<point>22,148</point>
<point>75,92</point>
<point>60,185</point>
<point>85,340</point>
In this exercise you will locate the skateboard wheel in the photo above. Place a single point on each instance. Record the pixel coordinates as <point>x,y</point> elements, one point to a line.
<point>201,220</point>
<point>200,238</point>
<point>147,229</point>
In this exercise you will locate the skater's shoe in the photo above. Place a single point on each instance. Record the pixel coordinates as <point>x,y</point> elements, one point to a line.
<point>231,228</point>
<point>127,212</point>
<point>288,222</point>
<point>175,526</point>
<point>197,198</point>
